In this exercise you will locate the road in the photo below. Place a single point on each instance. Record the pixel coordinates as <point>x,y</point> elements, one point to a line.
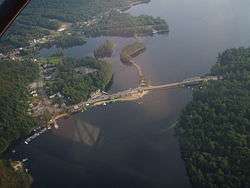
<point>142,80</point>
<point>137,93</point>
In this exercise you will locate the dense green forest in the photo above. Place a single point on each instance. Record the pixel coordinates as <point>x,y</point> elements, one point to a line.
<point>77,78</point>
<point>14,97</point>
<point>123,24</point>
<point>105,50</point>
<point>66,41</point>
<point>11,179</point>
<point>214,129</point>
<point>14,119</point>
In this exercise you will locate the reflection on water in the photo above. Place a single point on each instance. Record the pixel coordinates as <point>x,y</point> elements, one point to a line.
<point>78,131</point>
<point>86,133</point>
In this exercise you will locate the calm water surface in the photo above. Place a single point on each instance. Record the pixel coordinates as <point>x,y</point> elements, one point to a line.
<point>130,144</point>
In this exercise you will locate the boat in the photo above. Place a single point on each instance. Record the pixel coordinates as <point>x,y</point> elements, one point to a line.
<point>104,92</point>
<point>24,160</point>
<point>56,126</point>
<point>154,32</point>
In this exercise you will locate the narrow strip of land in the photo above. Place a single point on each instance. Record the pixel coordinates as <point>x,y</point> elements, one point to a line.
<point>142,79</point>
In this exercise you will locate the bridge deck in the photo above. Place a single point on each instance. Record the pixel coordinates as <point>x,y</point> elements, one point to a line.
<point>138,92</point>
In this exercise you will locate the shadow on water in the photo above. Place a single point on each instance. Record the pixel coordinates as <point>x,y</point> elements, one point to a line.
<point>133,152</point>
<point>119,145</point>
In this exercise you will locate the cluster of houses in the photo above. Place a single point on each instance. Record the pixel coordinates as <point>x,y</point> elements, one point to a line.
<point>88,23</point>
<point>39,41</point>
<point>33,89</point>
<point>14,54</point>
<point>37,107</point>
<point>34,106</point>
<point>2,56</point>
<point>94,95</point>
<point>49,71</point>
<point>56,95</point>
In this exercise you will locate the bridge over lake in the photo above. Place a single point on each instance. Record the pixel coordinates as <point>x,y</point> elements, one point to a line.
<point>137,93</point>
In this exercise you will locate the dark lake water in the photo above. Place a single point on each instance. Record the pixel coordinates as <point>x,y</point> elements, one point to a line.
<point>130,144</point>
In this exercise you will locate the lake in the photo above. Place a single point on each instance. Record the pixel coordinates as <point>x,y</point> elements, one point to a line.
<point>132,144</point>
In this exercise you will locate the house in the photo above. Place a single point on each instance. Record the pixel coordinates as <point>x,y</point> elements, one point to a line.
<point>45,66</point>
<point>33,92</point>
<point>59,95</point>
<point>95,94</point>
<point>76,107</point>
<point>48,78</point>
<point>52,96</point>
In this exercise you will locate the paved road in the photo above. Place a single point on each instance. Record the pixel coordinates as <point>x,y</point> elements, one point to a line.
<point>136,93</point>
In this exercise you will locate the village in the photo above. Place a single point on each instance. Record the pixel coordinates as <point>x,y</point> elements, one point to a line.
<point>48,108</point>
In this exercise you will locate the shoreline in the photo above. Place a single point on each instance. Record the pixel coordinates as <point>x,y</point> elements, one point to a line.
<point>33,134</point>
<point>37,47</point>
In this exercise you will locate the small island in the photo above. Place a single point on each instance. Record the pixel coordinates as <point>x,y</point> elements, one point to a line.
<point>131,51</point>
<point>105,50</point>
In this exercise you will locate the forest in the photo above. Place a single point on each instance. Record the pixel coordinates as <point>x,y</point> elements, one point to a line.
<point>214,129</point>
<point>76,79</point>
<point>14,100</point>
<point>105,50</point>
<point>130,51</point>
<point>66,41</point>
<point>15,121</point>
<point>117,23</point>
